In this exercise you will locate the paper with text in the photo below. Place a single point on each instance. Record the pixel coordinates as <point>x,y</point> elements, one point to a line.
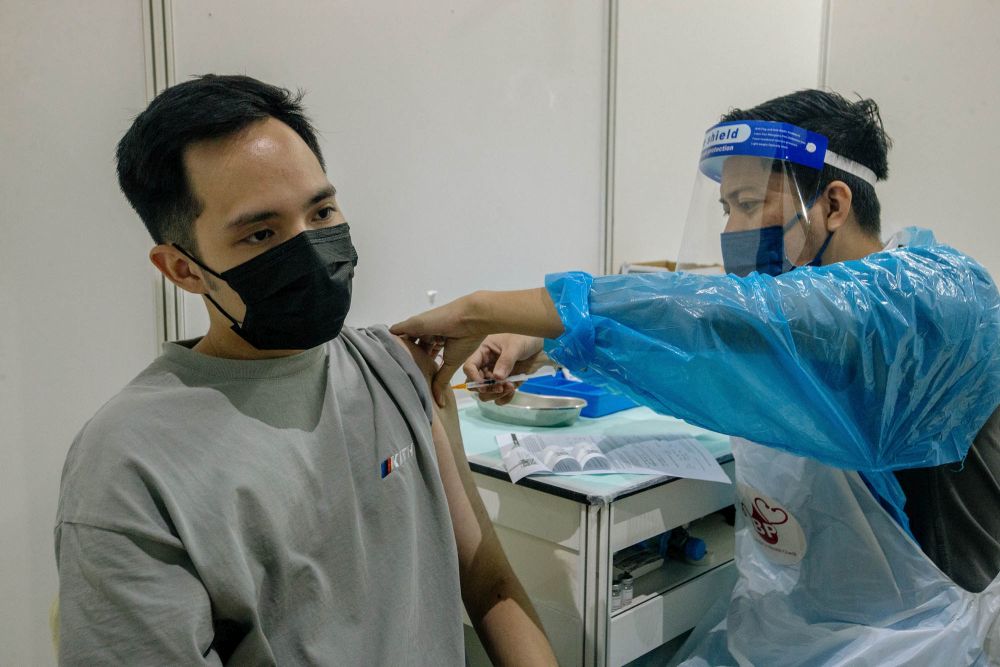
<point>674,455</point>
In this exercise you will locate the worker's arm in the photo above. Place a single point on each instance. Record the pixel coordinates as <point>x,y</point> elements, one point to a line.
<point>130,599</point>
<point>465,322</point>
<point>882,363</point>
<point>496,602</point>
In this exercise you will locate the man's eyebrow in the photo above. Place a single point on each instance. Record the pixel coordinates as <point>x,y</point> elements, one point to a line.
<point>260,216</point>
<point>325,193</point>
<point>250,219</point>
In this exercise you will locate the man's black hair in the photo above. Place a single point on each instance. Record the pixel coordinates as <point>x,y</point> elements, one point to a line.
<point>151,154</point>
<point>854,130</point>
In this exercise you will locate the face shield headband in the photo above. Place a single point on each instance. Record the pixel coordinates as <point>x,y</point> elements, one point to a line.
<point>780,145</point>
<point>774,141</point>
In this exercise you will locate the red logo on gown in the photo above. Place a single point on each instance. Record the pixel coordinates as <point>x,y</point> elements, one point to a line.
<point>775,529</point>
<point>764,519</point>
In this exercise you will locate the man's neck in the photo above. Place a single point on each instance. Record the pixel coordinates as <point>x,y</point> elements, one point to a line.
<point>851,244</point>
<point>222,341</point>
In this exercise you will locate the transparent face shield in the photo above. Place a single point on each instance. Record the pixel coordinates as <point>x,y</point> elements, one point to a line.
<point>754,205</point>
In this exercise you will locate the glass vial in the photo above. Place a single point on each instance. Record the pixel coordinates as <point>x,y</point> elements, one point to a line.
<point>616,596</point>
<point>628,589</point>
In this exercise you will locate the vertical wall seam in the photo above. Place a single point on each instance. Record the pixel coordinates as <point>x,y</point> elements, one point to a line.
<point>169,301</point>
<point>824,45</point>
<point>608,240</point>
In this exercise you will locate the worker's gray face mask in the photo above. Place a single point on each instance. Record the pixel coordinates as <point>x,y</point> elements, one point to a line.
<point>297,294</point>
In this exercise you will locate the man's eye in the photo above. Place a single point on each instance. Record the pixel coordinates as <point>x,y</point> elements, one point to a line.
<point>326,212</point>
<point>259,236</point>
<point>748,206</point>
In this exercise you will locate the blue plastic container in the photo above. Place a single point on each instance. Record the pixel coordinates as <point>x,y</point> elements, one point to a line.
<point>600,402</point>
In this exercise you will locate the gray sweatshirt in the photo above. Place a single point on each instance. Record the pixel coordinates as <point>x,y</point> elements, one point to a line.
<point>285,511</point>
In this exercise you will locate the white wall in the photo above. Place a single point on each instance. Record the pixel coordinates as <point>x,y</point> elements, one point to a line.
<point>441,123</point>
<point>465,139</point>
<point>931,66</point>
<point>681,65</point>
<point>76,290</point>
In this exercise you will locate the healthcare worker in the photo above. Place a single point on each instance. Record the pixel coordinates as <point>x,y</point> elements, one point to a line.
<point>831,358</point>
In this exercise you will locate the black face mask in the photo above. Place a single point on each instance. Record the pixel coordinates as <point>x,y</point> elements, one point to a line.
<point>297,294</point>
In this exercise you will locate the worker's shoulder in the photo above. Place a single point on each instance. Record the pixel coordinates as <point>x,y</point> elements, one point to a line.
<point>920,249</point>
<point>916,269</point>
<point>949,299</point>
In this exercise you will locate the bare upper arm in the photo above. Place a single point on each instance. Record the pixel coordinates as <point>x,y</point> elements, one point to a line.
<point>424,361</point>
<point>468,516</point>
<point>483,566</point>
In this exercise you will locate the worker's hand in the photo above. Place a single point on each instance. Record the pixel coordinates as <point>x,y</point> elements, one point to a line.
<point>455,324</point>
<point>424,353</point>
<point>466,321</point>
<point>498,357</point>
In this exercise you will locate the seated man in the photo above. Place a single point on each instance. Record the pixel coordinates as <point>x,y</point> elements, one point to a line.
<point>281,490</point>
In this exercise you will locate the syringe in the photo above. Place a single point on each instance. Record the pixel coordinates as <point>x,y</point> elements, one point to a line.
<point>547,370</point>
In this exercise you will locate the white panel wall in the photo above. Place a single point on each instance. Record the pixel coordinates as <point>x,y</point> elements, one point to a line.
<point>457,134</point>
<point>931,66</point>
<point>465,139</point>
<point>77,311</point>
<point>681,65</point>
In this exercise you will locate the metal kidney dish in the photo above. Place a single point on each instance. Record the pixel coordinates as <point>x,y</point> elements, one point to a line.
<point>535,410</point>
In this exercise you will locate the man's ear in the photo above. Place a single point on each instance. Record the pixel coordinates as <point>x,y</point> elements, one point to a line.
<point>838,197</point>
<point>179,269</point>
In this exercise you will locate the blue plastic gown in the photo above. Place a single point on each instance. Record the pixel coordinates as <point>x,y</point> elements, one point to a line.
<point>877,364</point>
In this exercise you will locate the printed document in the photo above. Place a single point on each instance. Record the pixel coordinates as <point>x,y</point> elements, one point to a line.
<point>673,455</point>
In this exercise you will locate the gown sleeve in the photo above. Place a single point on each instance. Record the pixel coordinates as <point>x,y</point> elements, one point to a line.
<point>882,363</point>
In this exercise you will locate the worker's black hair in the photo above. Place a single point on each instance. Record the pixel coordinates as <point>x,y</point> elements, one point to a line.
<point>854,130</point>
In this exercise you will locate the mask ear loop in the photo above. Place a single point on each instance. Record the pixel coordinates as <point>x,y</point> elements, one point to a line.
<point>802,215</point>
<point>851,167</point>
<point>236,324</point>
<point>815,261</point>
